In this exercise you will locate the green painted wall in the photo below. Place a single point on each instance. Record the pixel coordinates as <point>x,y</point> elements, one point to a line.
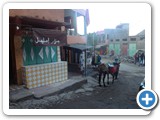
<point>132,49</point>
<point>111,47</point>
<point>117,49</point>
<point>37,54</point>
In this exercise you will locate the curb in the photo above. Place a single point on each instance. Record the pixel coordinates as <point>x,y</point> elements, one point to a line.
<point>63,88</point>
<point>24,94</point>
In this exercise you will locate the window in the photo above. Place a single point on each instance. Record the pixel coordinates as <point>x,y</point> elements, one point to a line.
<point>103,37</point>
<point>107,36</point>
<point>124,39</point>
<point>80,25</point>
<point>111,40</point>
<point>142,38</point>
<point>68,19</point>
<point>70,31</point>
<point>125,43</point>
<point>133,39</point>
<point>117,39</point>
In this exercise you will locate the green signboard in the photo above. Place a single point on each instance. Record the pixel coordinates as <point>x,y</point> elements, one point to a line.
<point>37,54</point>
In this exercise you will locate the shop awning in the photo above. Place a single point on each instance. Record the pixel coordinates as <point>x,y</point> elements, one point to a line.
<point>44,32</point>
<point>79,46</point>
<point>48,37</point>
<point>101,45</point>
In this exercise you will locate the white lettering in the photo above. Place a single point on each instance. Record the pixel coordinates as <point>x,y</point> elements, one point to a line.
<point>47,41</point>
<point>55,41</point>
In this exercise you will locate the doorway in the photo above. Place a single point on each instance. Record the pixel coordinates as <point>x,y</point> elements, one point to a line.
<point>12,63</point>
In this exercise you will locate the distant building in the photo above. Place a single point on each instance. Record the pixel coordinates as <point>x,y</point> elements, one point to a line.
<point>136,42</point>
<point>119,41</point>
<point>117,38</point>
<point>121,31</point>
<point>101,43</point>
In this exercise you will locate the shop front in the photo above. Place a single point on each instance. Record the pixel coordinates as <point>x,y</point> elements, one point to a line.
<point>35,51</point>
<point>78,57</point>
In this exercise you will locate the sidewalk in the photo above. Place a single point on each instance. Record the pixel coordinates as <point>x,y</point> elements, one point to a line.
<point>40,92</point>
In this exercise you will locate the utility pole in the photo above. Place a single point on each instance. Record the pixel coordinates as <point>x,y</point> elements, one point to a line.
<point>85,32</point>
<point>93,44</point>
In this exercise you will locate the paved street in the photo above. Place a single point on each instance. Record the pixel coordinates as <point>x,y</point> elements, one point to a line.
<point>120,95</point>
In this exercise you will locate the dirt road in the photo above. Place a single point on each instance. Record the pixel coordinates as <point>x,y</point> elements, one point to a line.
<point>120,95</point>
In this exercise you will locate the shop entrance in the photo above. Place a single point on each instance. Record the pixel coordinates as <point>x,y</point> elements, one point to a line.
<point>12,66</point>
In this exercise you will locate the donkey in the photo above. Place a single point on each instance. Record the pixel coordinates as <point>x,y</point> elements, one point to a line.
<point>103,70</point>
<point>112,69</point>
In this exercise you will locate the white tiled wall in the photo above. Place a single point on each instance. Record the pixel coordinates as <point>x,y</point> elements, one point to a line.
<point>44,74</point>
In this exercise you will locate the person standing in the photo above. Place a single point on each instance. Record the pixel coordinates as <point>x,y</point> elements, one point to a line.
<point>117,63</point>
<point>98,59</point>
<point>135,58</point>
<point>93,59</point>
<point>139,59</point>
<point>142,59</point>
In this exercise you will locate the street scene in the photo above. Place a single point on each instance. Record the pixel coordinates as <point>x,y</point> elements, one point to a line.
<point>55,63</point>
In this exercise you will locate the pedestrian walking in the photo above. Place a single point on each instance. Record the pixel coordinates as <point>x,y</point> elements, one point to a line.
<point>142,59</point>
<point>99,59</point>
<point>135,58</point>
<point>139,59</point>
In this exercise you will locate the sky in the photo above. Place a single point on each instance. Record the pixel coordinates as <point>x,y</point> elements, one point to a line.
<point>114,14</point>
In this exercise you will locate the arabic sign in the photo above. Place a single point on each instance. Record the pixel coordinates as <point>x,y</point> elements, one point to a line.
<point>48,37</point>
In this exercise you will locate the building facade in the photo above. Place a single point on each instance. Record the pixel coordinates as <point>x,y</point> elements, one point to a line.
<point>75,52</point>
<point>102,44</point>
<point>126,45</point>
<point>36,38</point>
<point>119,41</point>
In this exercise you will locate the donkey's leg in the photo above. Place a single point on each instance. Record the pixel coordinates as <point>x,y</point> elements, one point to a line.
<point>116,74</point>
<point>108,78</point>
<point>100,74</point>
<point>104,76</point>
<point>113,76</point>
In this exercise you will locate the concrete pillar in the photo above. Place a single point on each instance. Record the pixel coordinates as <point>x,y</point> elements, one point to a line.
<point>85,33</point>
<point>75,23</point>
<point>19,58</point>
<point>58,54</point>
<point>85,27</point>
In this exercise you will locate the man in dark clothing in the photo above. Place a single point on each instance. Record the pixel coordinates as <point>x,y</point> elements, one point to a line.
<point>136,58</point>
<point>117,63</point>
<point>142,59</point>
<point>99,59</point>
<point>139,59</point>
